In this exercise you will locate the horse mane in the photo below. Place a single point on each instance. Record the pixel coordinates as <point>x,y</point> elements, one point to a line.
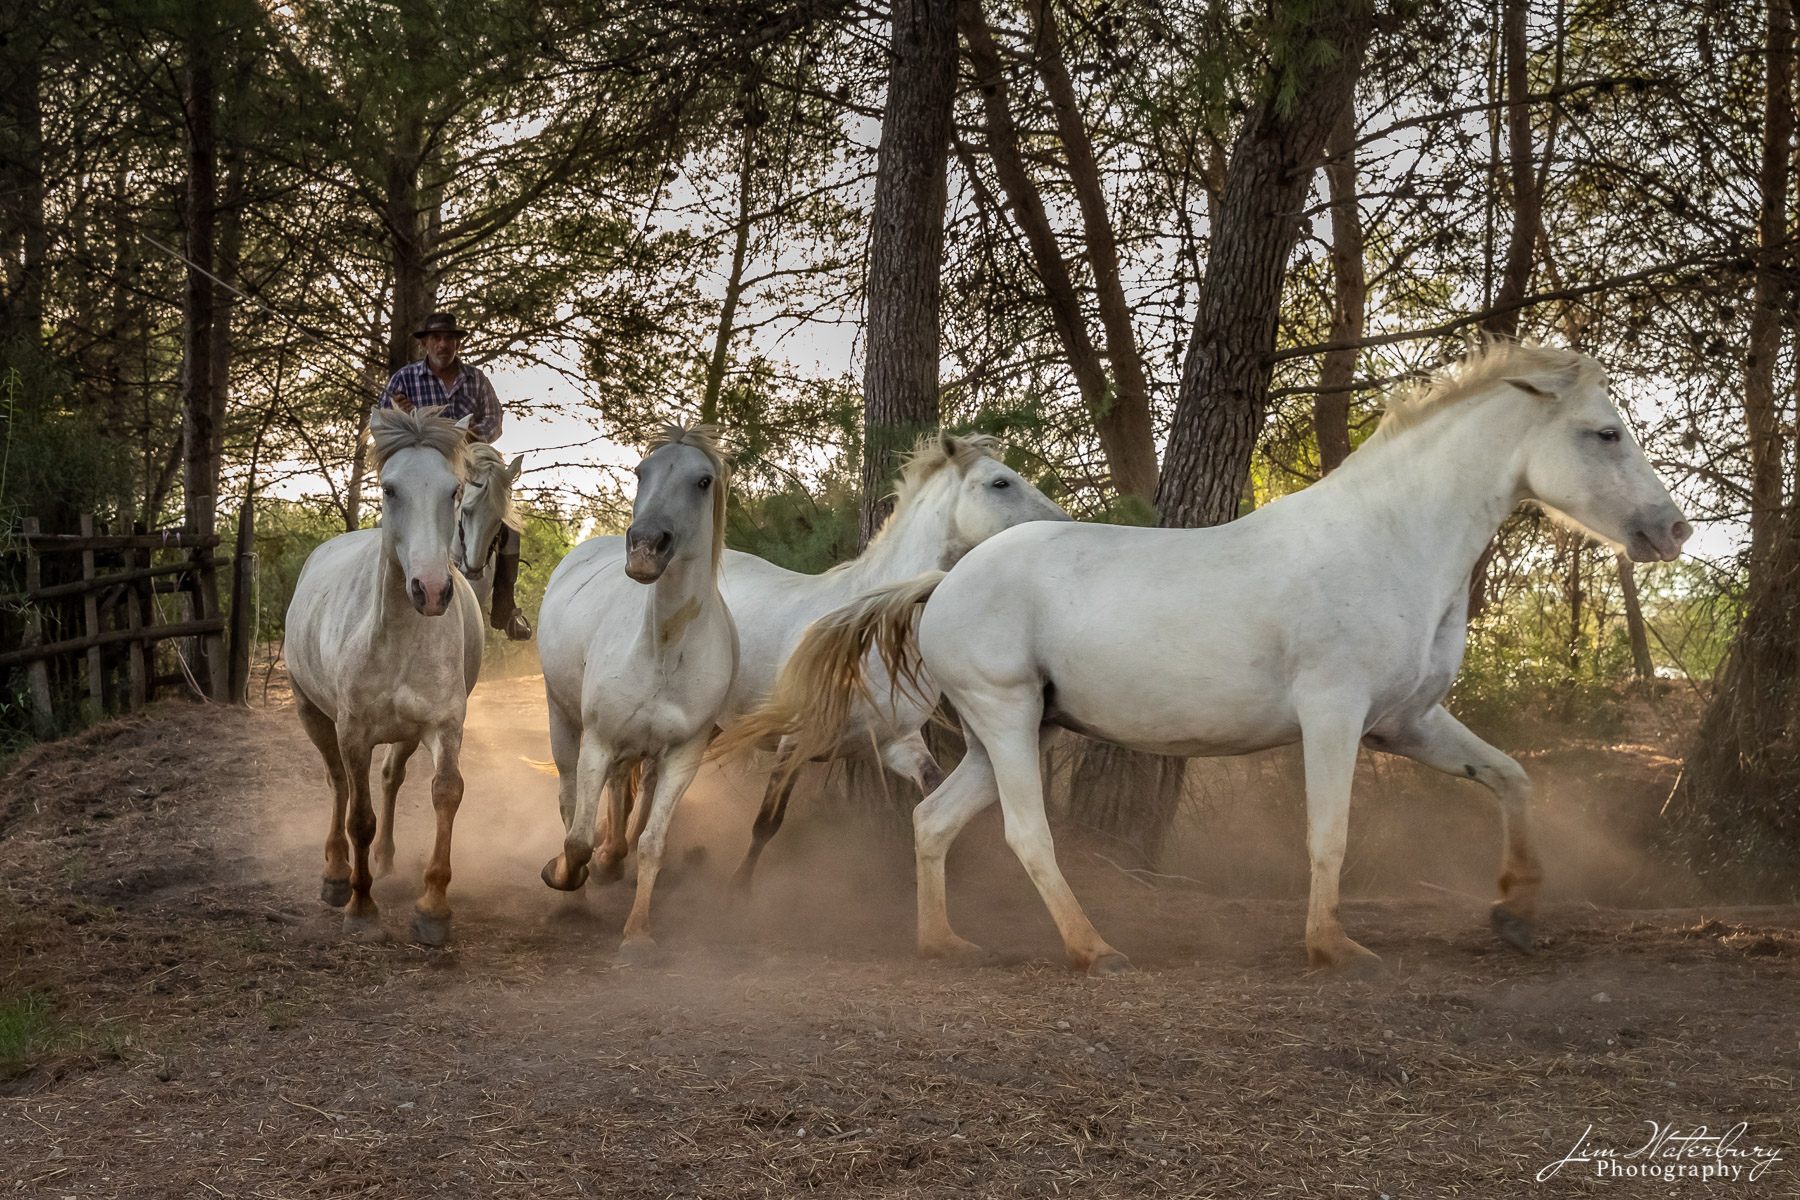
<point>396,429</point>
<point>929,456</point>
<point>487,464</point>
<point>704,438</point>
<point>1487,362</point>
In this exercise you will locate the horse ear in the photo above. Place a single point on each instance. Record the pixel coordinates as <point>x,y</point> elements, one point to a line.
<point>948,445</point>
<point>464,423</point>
<point>1526,385</point>
<point>1551,384</point>
<point>518,464</point>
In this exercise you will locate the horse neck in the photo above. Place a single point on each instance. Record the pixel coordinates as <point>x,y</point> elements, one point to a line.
<point>687,588</point>
<point>914,539</point>
<point>1447,485</point>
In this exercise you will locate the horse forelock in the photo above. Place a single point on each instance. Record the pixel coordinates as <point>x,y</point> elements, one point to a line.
<point>1488,362</point>
<point>486,466</point>
<point>395,430</point>
<point>704,438</point>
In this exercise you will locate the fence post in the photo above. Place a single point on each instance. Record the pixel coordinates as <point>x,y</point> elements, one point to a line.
<point>243,581</point>
<point>143,663</point>
<point>38,672</point>
<point>90,611</point>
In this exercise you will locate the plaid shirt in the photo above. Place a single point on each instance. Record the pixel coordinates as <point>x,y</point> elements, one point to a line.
<point>473,396</point>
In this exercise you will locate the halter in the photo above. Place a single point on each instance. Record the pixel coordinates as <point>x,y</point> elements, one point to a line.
<point>493,546</point>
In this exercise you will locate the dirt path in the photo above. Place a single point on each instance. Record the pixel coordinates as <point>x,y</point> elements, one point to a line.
<point>203,1031</point>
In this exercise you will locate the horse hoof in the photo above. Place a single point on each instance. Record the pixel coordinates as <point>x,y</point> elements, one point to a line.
<point>364,929</point>
<point>430,930</point>
<point>640,952</point>
<point>1110,963</point>
<point>1512,929</point>
<point>335,892</point>
<point>740,883</point>
<point>1363,966</point>
<point>959,953</point>
<point>381,868</point>
<point>610,872</point>
<point>552,877</point>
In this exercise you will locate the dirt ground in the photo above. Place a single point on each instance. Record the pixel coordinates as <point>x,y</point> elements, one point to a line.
<point>208,1033</point>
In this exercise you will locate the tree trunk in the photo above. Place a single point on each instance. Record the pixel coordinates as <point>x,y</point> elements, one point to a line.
<point>24,238</point>
<point>1133,466</point>
<point>1349,299</point>
<point>1521,247</point>
<point>1761,413</point>
<point>1027,205</point>
<point>407,243</point>
<point>201,391</point>
<point>1225,379</point>
<point>1732,815</point>
<point>906,247</point>
<point>734,286</point>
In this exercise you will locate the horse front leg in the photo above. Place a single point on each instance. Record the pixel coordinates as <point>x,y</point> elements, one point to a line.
<point>673,773</point>
<point>1330,729</point>
<point>569,870</point>
<point>431,917</point>
<point>334,888</point>
<point>361,918</point>
<point>393,774</point>
<point>1443,743</point>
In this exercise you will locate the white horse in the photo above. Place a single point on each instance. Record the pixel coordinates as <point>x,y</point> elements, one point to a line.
<point>384,646</point>
<point>487,513</point>
<point>639,651</point>
<point>954,493</point>
<point>486,510</point>
<point>1334,617</point>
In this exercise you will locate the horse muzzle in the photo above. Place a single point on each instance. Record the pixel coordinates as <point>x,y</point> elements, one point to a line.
<point>647,553</point>
<point>1656,536</point>
<point>431,598</point>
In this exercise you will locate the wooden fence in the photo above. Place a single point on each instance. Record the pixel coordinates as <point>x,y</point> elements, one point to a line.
<point>88,621</point>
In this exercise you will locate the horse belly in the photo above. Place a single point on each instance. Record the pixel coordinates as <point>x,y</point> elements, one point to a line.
<point>1204,721</point>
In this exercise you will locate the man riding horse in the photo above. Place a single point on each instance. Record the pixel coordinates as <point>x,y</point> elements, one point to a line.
<point>442,379</point>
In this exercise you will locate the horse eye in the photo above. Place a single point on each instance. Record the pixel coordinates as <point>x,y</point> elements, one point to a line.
<point>388,491</point>
<point>705,482</point>
<point>1608,434</point>
<point>1000,483</point>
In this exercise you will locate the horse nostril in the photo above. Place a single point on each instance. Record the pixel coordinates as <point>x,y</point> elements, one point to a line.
<point>417,592</point>
<point>1681,531</point>
<point>663,542</point>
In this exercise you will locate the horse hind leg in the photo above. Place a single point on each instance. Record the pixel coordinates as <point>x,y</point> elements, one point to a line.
<point>1012,735</point>
<point>910,757</point>
<point>616,831</point>
<point>1443,743</point>
<point>334,888</point>
<point>393,774</point>
<point>768,821</point>
<point>938,819</point>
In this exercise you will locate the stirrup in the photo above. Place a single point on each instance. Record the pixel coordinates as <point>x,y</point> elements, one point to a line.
<point>518,629</point>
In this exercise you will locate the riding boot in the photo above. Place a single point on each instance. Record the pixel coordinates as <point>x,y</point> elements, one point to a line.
<point>506,614</point>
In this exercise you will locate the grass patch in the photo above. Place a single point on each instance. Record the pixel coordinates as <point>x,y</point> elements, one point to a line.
<point>26,1026</point>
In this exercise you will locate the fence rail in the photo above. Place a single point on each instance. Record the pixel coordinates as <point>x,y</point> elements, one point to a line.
<point>122,595</point>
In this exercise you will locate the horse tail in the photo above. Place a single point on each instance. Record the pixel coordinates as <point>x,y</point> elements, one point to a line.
<point>810,704</point>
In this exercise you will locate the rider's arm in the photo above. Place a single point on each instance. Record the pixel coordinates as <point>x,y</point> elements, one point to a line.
<point>488,416</point>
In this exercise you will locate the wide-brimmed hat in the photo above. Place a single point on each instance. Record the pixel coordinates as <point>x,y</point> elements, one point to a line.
<point>441,323</point>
